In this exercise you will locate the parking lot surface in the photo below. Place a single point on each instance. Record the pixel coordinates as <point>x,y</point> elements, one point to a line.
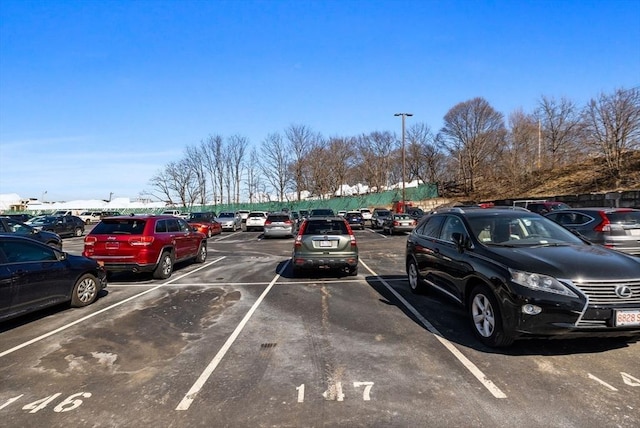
<point>239,342</point>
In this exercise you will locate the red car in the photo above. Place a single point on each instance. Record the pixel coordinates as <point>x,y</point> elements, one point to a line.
<point>206,223</point>
<point>145,243</point>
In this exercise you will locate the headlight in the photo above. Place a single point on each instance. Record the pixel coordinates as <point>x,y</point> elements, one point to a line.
<point>540,282</point>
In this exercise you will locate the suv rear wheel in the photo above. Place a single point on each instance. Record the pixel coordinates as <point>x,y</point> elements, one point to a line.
<point>165,266</point>
<point>202,253</point>
<point>415,280</point>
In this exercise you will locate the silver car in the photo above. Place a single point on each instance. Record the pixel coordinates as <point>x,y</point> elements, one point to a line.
<point>279,225</point>
<point>229,221</point>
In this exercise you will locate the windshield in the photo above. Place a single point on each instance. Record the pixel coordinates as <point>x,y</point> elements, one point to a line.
<point>519,229</point>
<point>226,215</point>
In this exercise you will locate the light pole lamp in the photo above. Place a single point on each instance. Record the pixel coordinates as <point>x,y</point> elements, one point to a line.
<point>404,115</point>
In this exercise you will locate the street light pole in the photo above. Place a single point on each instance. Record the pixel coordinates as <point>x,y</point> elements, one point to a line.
<point>403,160</point>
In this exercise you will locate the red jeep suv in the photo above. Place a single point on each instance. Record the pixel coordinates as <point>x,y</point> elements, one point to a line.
<point>144,243</point>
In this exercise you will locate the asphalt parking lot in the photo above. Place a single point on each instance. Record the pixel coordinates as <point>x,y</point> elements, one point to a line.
<point>239,342</point>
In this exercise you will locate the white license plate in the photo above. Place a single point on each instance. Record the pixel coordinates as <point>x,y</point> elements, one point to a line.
<point>627,317</point>
<point>634,232</point>
<point>325,243</point>
<point>112,245</point>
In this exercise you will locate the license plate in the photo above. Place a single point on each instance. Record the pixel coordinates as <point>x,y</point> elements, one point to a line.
<point>112,245</point>
<point>627,317</point>
<point>325,243</point>
<point>634,232</point>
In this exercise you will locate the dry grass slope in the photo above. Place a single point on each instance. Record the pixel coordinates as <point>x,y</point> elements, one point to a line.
<point>589,176</point>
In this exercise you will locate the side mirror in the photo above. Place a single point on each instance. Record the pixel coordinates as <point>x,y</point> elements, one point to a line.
<point>460,241</point>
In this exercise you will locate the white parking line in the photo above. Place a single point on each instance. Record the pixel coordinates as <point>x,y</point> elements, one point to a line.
<point>493,389</point>
<point>208,371</point>
<point>58,330</point>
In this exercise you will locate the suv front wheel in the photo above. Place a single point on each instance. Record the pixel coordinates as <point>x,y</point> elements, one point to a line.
<point>486,319</point>
<point>165,266</point>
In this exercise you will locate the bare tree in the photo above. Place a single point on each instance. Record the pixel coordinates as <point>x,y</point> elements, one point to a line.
<point>561,127</point>
<point>253,177</point>
<point>424,160</point>
<point>340,156</point>
<point>275,164</point>
<point>211,148</point>
<point>194,161</point>
<point>374,153</point>
<point>301,141</point>
<point>472,132</point>
<point>319,176</point>
<point>520,155</point>
<point>237,146</point>
<point>613,126</point>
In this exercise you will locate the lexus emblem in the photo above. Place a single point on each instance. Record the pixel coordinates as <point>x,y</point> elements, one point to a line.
<point>623,291</point>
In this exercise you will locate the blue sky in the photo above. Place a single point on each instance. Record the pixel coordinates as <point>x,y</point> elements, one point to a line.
<point>97,96</point>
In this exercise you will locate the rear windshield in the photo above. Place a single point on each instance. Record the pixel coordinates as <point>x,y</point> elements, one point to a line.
<point>278,218</point>
<point>383,212</point>
<point>321,212</point>
<point>121,227</point>
<point>325,227</point>
<point>625,217</point>
<point>227,215</point>
<point>256,215</point>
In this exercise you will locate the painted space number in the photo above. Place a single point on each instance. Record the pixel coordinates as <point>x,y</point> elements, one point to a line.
<point>334,392</point>
<point>70,403</point>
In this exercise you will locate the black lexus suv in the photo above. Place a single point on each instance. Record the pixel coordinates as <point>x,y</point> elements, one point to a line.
<point>519,274</point>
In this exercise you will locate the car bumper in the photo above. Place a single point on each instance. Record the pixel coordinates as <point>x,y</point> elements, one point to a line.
<point>402,229</point>
<point>564,319</point>
<point>271,232</point>
<point>320,262</point>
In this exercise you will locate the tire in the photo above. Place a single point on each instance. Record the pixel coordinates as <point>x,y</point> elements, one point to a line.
<point>353,271</point>
<point>235,228</point>
<point>486,319</point>
<point>416,283</point>
<point>209,234</point>
<point>77,232</point>
<point>201,257</point>
<point>165,266</point>
<point>85,291</point>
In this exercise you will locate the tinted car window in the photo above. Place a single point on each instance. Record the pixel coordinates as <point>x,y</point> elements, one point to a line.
<point>430,227</point>
<point>326,227</point>
<point>126,227</point>
<point>173,226</point>
<point>451,225</point>
<point>19,252</point>
<point>278,218</point>
<point>624,217</point>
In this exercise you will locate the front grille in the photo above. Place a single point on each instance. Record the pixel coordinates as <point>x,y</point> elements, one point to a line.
<point>603,293</point>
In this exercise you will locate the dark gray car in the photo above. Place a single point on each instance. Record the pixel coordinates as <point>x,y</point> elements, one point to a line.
<point>616,228</point>
<point>325,243</point>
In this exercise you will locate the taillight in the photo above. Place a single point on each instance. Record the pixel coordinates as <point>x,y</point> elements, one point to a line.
<point>267,222</point>
<point>605,224</point>
<point>90,241</point>
<point>352,237</point>
<point>396,223</point>
<point>288,222</point>
<point>141,241</point>
<point>298,242</point>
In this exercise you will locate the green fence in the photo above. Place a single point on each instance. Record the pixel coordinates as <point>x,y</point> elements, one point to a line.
<point>345,203</point>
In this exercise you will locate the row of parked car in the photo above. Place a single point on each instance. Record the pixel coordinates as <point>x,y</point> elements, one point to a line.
<point>517,273</point>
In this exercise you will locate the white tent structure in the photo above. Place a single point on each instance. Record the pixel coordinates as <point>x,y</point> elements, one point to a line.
<point>7,201</point>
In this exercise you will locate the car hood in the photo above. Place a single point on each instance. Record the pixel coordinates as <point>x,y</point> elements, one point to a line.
<point>570,261</point>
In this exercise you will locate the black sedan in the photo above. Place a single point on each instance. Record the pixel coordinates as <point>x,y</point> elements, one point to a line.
<point>520,275</point>
<point>9,225</point>
<point>34,276</point>
<point>63,225</point>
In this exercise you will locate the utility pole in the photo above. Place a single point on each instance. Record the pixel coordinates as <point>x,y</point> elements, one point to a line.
<point>404,196</point>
